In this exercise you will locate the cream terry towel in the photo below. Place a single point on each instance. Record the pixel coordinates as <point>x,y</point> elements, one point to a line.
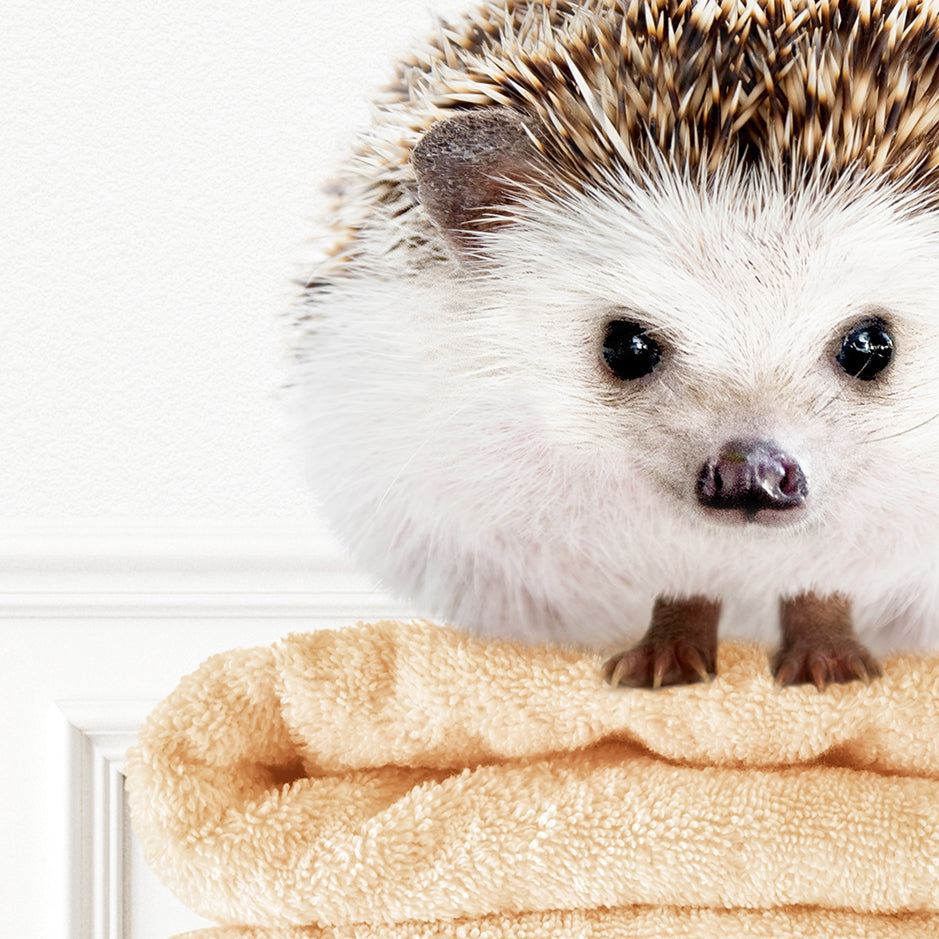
<point>406,781</point>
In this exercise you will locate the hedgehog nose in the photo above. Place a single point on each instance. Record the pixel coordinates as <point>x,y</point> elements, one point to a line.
<point>750,475</point>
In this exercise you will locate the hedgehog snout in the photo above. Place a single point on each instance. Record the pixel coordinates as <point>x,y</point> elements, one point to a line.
<point>749,475</point>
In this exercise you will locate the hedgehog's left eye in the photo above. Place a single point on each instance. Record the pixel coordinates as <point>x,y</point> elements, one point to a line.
<point>866,349</point>
<point>629,351</point>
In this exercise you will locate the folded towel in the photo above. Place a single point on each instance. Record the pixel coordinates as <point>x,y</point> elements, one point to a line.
<point>406,781</point>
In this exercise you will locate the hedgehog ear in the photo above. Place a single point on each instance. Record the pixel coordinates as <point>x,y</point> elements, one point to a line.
<point>470,164</point>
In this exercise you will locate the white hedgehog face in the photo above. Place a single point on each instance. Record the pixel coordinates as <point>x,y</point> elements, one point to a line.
<point>756,352</point>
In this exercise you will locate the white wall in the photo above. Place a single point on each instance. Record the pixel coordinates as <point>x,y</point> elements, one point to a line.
<point>159,174</point>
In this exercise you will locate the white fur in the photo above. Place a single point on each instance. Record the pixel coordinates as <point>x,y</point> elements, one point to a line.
<point>470,447</point>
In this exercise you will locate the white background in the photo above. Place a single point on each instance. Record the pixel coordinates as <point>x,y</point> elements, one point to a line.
<point>160,167</point>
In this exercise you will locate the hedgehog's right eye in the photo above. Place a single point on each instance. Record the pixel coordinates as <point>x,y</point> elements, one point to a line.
<point>629,351</point>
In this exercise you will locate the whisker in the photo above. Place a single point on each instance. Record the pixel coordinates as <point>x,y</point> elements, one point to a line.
<point>820,410</point>
<point>884,395</point>
<point>900,433</point>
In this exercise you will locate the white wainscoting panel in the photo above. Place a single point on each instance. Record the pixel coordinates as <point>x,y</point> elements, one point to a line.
<point>105,880</point>
<point>96,625</point>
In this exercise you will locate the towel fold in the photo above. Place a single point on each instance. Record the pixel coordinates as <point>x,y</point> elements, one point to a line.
<point>406,781</point>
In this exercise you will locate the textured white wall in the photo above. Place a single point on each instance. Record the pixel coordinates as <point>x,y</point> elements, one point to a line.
<point>159,174</point>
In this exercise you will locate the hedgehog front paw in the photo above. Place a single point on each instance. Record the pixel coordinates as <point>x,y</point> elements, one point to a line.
<point>680,647</point>
<point>818,643</point>
<point>660,664</point>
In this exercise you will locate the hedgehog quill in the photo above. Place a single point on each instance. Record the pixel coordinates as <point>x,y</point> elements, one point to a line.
<point>630,330</point>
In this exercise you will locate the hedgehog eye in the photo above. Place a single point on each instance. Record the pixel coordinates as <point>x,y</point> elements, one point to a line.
<point>866,349</point>
<point>629,351</point>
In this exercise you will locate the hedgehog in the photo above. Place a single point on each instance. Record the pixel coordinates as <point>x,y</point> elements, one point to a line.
<point>624,332</point>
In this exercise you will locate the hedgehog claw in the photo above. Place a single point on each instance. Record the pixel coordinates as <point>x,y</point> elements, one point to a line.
<point>823,665</point>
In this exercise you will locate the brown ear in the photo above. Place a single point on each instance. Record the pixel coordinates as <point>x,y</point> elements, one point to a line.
<point>471,163</point>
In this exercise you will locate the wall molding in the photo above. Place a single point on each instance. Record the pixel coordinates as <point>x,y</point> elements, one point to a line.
<point>90,740</point>
<point>236,570</point>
